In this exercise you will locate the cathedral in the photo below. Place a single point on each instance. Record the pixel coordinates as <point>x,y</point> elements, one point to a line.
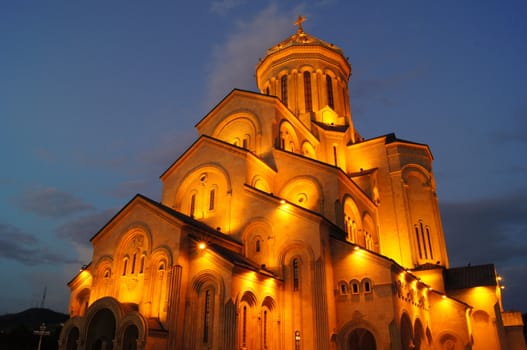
<point>281,227</point>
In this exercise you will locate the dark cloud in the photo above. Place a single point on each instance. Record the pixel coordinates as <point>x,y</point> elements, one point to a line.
<point>25,248</point>
<point>488,230</point>
<point>80,230</point>
<point>50,202</point>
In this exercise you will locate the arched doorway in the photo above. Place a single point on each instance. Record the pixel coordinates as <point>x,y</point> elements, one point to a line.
<point>407,338</point>
<point>101,331</point>
<point>130,338</point>
<point>361,339</point>
<point>73,337</point>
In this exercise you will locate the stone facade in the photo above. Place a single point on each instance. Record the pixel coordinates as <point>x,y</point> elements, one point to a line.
<point>282,228</point>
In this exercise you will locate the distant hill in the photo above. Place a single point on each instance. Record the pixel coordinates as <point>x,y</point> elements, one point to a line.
<point>16,330</point>
<point>32,318</point>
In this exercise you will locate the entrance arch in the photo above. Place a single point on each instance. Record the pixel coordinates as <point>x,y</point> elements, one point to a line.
<point>361,339</point>
<point>101,331</point>
<point>73,337</point>
<point>131,334</point>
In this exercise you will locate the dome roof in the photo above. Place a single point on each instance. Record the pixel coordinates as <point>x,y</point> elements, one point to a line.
<point>301,38</point>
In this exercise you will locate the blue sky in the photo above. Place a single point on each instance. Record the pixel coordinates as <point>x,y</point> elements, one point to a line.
<point>98,98</point>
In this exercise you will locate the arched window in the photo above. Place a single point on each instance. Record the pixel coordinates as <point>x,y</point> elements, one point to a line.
<point>212,196</point>
<point>343,288</point>
<point>423,240</point>
<point>207,313</point>
<point>244,326</point>
<point>125,266</point>
<point>368,240</point>
<point>296,275</point>
<point>283,85</point>
<point>142,264</point>
<point>366,285</point>
<point>192,205</point>
<point>264,329</point>
<point>329,87</point>
<point>335,160</point>
<point>134,257</point>
<point>354,287</point>
<point>307,92</point>
<point>257,247</point>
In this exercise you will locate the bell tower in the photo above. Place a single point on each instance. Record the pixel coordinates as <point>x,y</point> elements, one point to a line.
<point>310,76</point>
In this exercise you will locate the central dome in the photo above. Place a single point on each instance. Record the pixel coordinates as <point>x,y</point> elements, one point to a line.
<point>310,76</point>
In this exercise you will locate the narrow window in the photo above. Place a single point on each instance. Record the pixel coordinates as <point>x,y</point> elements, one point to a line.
<point>267,90</point>
<point>423,239</point>
<point>329,87</point>
<point>369,240</point>
<point>335,155</point>
<point>282,143</point>
<point>429,242</point>
<point>133,262</point>
<point>257,248</point>
<point>142,264</point>
<point>125,265</point>
<point>343,288</point>
<point>244,326</point>
<point>264,329</point>
<point>367,286</point>
<point>192,205</point>
<point>296,277</point>
<point>307,92</point>
<point>107,273</point>
<point>283,84</point>
<point>206,316</point>
<point>245,143</point>
<point>355,287</point>
<point>211,199</point>
<point>418,242</point>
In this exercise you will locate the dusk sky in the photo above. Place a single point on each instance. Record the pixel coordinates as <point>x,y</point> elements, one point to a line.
<point>98,98</point>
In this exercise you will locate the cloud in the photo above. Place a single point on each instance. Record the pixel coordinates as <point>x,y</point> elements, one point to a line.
<point>489,230</point>
<point>233,62</point>
<point>80,230</point>
<point>224,6</point>
<point>25,248</point>
<point>50,202</point>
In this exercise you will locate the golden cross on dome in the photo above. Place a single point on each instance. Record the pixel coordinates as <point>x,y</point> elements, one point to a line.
<point>298,22</point>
